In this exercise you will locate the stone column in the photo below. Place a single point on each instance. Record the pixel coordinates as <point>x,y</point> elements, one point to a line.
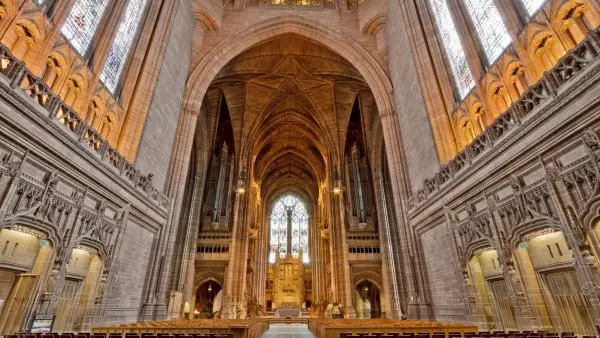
<point>418,305</point>
<point>155,297</point>
<point>389,268</point>
<point>235,284</point>
<point>340,258</point>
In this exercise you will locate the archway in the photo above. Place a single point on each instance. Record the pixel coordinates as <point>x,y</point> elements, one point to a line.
<point>368,300</point>
<point>23,252</point>
<point>204,73</point>
<point>311,165</point>
<point>546,262</point>
<point>206,296</point>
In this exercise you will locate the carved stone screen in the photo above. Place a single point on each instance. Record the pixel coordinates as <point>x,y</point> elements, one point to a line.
<point>490,28</point>
<point>459,66</point>
<point>82,23</point>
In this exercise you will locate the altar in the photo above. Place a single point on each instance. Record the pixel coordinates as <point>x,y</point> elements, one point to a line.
<point>288,288</point>
<point>288,313</point>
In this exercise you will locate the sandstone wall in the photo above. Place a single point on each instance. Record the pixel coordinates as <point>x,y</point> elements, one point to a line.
<point>159,132</point>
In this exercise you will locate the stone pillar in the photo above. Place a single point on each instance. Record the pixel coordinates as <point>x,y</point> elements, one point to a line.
<point>155,297</point>
<point>389,266</point>
<point>340,258</point>
<point>234,302</point>
<point>418,305</point>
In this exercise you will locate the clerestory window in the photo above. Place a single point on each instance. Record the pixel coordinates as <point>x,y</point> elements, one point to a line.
<point>532,6</point>
<point>122,44</point>
<point>490,28</point>
<point>82,23</point>
<point>459,66</point>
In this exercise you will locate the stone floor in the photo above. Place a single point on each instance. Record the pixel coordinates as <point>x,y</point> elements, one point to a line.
<point>288,331</point>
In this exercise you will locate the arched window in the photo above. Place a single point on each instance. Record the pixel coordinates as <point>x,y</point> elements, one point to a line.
<point>461,72</point>
<point>121,46</point>
<point>489,26</point>
<point>532,6</point>
<point>288,225</point>
<point>82,23</point>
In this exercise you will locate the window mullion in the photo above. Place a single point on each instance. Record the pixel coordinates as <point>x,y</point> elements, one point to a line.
<point>511,16</point>
<point>468,38</point>
<point>107,35</point>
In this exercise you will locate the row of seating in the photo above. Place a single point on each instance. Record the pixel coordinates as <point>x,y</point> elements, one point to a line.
<point>481,334</point>
<point>117,335</point>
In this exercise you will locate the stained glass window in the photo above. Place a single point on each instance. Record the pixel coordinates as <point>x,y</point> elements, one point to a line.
<point>289,214</point>
<point>489,26</point>
<point>82,23</point>
<point>461,72</point>
<point>121,46</point>
<point>532,6</point>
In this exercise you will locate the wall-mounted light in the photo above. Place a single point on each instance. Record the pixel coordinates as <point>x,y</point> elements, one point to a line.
<point>242,181</point>
<point>336,181</point>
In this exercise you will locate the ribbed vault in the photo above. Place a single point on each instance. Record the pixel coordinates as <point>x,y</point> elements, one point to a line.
<point>289,100</point>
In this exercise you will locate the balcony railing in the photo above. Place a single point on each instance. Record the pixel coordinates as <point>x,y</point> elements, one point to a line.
<point>291,3</point>
<point>526,106</point>
<point>19,77</point>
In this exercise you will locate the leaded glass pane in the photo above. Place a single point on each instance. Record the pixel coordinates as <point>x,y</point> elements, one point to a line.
<point>121,46</point>
<point>489,26</point>
<point>532,6</point>
<point>82,23</point>
<point>278,238</point>
<point>454,52</point>
<point>289,206</point>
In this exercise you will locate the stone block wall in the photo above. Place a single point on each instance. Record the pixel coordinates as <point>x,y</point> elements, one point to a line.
<point>444,283</point>
<point>417,137</point>
<point>159,131</point>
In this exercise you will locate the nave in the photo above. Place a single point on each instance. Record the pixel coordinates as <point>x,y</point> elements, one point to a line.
<point>279,330</point>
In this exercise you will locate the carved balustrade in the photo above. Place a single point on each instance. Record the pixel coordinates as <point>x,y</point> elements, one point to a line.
<point>528,105</point>
<point>19,77</point>
<point>308,3</point>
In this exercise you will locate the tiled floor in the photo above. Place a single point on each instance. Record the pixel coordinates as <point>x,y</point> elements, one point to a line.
<point>288,331</point>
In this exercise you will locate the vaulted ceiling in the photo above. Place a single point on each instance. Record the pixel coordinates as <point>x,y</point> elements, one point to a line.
<point>289,100</point>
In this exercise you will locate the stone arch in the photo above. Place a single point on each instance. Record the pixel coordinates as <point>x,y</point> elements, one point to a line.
<point>366,64</point>
<point>590,213</point>
<point>208,276</point>
<point>574,19</point>
<point>524,228</point>
<point>472,248</point>
<point>375,24</point>
<point>515,77</point>
<point>100,248</point>
<point>368,276</point>
<point>50,233</point>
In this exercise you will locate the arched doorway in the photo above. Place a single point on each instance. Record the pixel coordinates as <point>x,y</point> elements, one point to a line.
<point>494,309</point>
<point>23,254</point>
<point>78,294</point>
<point>368,300</point>
<point>206,297</point>
<point>551,280</point>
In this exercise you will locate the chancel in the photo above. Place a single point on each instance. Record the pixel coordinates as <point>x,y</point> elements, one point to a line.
<point>314,168</point>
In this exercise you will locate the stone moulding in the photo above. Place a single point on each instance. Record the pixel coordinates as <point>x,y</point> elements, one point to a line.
<point>547,88</point>
<point>19,77</point>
